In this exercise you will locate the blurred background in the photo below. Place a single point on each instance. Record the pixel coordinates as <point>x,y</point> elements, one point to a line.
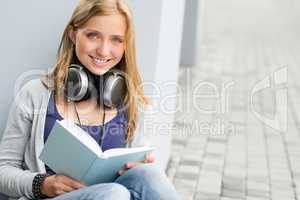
<point>222,75</point>
<point>238,136</point>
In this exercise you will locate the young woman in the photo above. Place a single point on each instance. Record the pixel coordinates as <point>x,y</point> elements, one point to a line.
<point>98,39</point>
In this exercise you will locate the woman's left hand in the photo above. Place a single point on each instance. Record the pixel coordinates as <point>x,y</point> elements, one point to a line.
<point>149,158</point>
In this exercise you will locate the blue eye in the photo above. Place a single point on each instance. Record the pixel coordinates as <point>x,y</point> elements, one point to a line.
<point>92,35</point>
<point>117,40</point>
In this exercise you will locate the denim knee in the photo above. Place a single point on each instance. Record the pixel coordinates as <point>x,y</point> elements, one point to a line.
<point>105,191</point>
<point>109,191</point>
<point>148,182</point>
<point>118,191</point>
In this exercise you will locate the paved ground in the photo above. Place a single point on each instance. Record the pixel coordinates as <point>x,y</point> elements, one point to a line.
<point>237,128</point>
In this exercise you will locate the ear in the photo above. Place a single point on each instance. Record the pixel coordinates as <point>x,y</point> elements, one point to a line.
<point>72,35</point>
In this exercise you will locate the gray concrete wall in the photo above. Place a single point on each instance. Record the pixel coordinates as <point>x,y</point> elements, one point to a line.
<point>147,16</point>
<point>159,32</point>
<point>30,33</point>
<point>191,38</point>
<point>190,33</point>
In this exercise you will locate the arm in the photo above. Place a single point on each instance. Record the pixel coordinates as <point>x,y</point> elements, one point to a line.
<point>14,181</point>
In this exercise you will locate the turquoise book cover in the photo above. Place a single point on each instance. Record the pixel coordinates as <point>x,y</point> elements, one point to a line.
<point>71,151</point>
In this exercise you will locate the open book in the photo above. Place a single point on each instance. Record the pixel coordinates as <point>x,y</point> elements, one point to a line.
<point>71,151</point>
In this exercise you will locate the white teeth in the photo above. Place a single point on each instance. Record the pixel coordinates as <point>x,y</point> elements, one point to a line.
<point>100,61</point>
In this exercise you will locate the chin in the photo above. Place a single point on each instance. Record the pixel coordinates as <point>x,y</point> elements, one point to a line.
<point>99,72</point>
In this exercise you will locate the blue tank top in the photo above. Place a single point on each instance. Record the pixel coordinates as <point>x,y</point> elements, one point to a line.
<point>114,134</point>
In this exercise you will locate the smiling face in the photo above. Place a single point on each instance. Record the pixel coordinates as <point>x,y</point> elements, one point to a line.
<point>100,43</point>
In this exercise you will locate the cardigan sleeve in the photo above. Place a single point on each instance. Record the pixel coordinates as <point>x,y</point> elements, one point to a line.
<point>14,180</point>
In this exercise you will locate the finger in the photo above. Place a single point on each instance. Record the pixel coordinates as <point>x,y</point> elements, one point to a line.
<point>131,165</point>
<point>76,184</point>
<point>72,183</point>
<point>121,172</point>
<point>60,189</point>
<point>149,158</point>
<point>127,166</point>
<point>66,188</point>
<point>58,192</point>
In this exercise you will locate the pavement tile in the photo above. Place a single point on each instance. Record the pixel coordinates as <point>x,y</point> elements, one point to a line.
<point>189,168</point>
<point>229,198</point>
<point>234,183</point>
<point>233,194</point>
<point>206,196</point>
<point>256,198</point>
<point>209,182</point>
<point>184,184</point>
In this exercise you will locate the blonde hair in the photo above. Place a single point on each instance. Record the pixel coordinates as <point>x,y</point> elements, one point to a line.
<point>85,10</point>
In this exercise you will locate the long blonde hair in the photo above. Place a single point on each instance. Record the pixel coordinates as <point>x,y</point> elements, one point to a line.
<point>85,10</point>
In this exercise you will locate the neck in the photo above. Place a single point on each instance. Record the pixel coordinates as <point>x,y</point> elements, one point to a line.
<point>89,102</point>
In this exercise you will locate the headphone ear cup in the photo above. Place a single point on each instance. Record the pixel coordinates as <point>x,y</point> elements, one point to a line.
<point>80,85</point>
<point>77,83</point>
<point>114,90</point>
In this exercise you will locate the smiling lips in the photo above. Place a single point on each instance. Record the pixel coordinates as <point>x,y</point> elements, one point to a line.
<point>99,61</point>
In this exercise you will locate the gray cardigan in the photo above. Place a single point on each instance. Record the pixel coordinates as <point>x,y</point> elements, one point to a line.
<point>23,139</point>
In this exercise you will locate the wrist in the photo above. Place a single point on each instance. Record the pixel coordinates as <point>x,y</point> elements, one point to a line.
<point>37,186</point>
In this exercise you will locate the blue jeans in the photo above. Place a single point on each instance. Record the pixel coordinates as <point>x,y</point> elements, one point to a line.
<point>144,182</point>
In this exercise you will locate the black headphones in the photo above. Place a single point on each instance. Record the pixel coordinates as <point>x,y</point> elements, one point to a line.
<point>81,84</point>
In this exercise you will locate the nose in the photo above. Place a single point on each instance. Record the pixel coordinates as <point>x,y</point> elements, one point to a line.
<point>103,48</point>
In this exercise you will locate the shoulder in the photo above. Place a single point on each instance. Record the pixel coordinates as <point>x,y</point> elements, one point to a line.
<point>31,88</point>
<point>33,85</point>
<point>30,94</point>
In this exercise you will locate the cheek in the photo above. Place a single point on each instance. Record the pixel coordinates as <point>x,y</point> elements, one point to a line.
<point>84,47</point>
<point>119,52</point>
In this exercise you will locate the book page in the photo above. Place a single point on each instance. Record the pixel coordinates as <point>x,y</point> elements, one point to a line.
<point>82,136</point>
<point>124,151</point>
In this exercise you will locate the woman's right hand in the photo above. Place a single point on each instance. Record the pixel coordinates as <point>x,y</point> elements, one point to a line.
<point>56,185</point>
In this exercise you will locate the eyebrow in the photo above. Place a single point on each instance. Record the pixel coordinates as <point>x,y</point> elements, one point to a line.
<point>91,30</point>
